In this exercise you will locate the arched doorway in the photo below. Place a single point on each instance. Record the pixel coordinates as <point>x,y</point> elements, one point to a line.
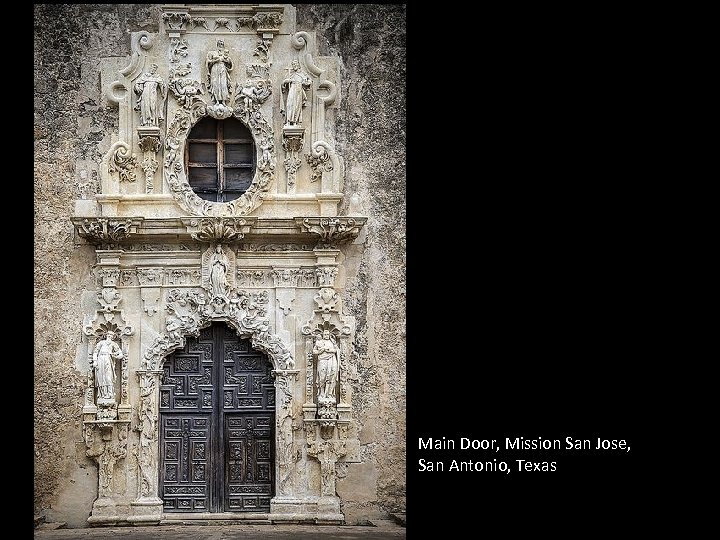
<point>217,420</point>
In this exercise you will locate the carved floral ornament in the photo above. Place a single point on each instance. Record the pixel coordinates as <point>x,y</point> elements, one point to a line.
<point>244,103</point>
<point>190,311</point>
<point>264,20</point>
<point>331,230</point>
<point>104,230</point>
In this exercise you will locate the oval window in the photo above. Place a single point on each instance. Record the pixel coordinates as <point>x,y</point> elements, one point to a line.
<point>220,159</point>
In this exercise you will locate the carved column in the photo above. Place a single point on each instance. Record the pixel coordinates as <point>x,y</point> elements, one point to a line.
<point>106,443</point>
<point>285,454</point>
<point>147,507</point>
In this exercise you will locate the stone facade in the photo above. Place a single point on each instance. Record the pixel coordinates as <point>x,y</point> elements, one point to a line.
<point>308,263</point>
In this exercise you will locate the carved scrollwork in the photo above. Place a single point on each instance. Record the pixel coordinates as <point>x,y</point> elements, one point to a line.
<point>106,230</point>
<point>186,91</point>
<point>319,161</point>
<point>262,20</point>
<point>190,311</point>
<point>174,173</point>
<point>123,162</point>
<point>331,231</point>
<point>175,20</point>
<point>219,230</point>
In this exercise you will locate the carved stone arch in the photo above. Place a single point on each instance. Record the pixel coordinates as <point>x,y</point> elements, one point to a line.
<point>190,311</point>
<point>249,113</point>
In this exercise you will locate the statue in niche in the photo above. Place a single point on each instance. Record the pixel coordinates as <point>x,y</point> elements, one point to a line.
<point>327,365</point>
<point>219,265</point>
<point>294,85</point>
<point>219,66</point>
<point>103,361</point>
<point>147,87</point>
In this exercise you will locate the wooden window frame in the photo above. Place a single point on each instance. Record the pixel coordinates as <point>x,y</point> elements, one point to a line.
<point>220,165</point>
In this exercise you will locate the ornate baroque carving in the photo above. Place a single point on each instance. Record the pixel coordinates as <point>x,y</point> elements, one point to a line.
<point>189,311</point>
<point>123,162</point>
<point>319,162</point>
<point>106,443</point>
<point>105,230</point>
<point>293,140</point>
<point>331,231</point>
<point>178,129</point>
<point>218,229</point>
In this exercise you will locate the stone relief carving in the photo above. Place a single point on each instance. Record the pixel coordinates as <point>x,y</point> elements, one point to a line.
<point>106,230</point>
<point>327,453</point>
<point>326,351</point>
<point>178,49</point>
<point>122,161</point>
<point>183,276</point>
<point>293,141</point>
<point>284,426</point>
<point>199,22</point>
<point>294,85</point>
<point>148,430</point>
<point>176,21</point>
<point>150,277</point>
<point>276,247</point>
<point>326,276</point>
<point>286,277</point>
<point>218,229</point>
<point>150,145</point>
<point>106,450</point>
<point>319,161</point>
<point>178,128</point>
<point>262,50</point>
<point>251,278</point>
<point>262,20</point>
<point>327,300</point>
<point>189,311</point>
<point>219,66</point>
<point>331,231</point>
<point>186,91</point>
<point>151,91</point>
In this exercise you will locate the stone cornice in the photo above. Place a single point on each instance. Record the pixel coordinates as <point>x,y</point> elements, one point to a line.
<point>322,232</point>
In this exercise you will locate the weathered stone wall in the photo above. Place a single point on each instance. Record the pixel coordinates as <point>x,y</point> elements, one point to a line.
<point>72,131</point>
<point>370,131</point>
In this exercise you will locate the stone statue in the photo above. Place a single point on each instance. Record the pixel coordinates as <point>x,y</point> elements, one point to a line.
<point>327,365</point>
<point>219,66</point>
<point>294,85</point>
<point>103,361</point>
<point>147,87</point>
<point>219,265</point>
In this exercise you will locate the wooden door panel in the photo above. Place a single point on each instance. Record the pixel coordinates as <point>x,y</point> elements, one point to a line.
<point>217,403</point>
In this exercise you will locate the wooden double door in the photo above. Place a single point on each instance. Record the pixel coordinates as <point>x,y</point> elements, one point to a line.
<point>217,420</point>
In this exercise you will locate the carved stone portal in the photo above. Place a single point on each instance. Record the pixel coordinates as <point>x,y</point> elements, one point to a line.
<point>171,263</point>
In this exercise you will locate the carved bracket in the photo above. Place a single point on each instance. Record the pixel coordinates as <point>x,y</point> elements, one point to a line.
<point>293,141</point>
<point>331,231</point>
<point>106,230</point>
<point>150,145</point>
<point>217,230</point>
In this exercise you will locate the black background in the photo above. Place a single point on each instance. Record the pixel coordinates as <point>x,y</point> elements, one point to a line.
<point>538,214</point>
